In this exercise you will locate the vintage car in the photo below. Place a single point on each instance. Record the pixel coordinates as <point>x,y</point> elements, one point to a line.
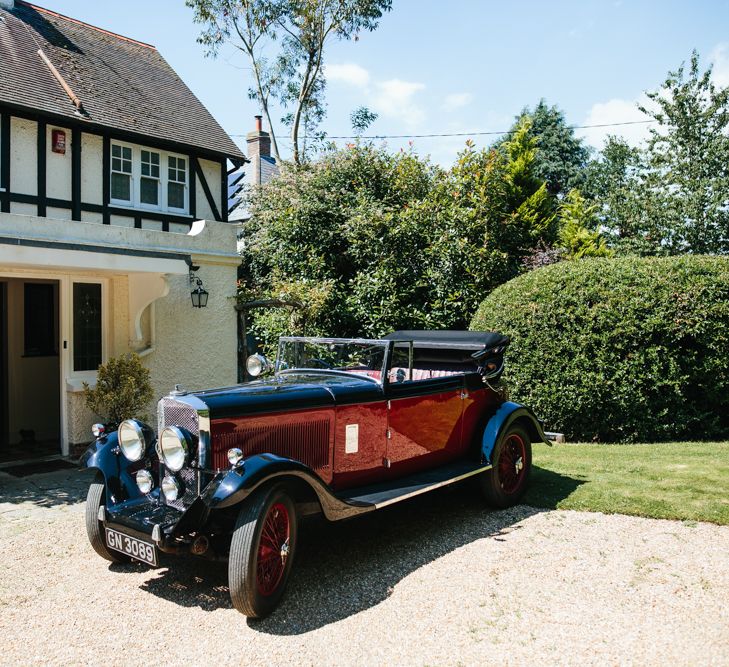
<point>341,427</point>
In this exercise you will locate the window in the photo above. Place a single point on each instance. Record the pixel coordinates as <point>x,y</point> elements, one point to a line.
<point>149,181</point>
<point>139,178</point>
<point>87,330</point>
<point>121,173</point>
<point>176,182</point>
<point>39,321</point>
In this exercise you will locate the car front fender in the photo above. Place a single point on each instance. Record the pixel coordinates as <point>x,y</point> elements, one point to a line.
<point>510,413</point>
<point>105,456</point>
<point>234,486</point>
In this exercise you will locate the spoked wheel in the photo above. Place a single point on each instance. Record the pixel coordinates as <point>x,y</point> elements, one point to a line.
<point>94,528</point>
<point>505,484</point>
<point>262,551</point>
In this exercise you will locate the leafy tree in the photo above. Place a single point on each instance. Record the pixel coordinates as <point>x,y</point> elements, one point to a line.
<point>561,156</point>
<point>376,242</point>
<point>688,162</point>
<point>614,181</point>
<point>578,222</point>
<point>285,40</point>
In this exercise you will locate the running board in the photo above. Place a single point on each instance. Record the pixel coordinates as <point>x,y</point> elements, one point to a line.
<point>388,493</point>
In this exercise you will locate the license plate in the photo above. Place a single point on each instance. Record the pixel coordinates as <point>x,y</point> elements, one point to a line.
<point>131,546</point>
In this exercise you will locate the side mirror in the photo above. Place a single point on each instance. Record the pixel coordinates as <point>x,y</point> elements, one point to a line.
<point>257,364</point>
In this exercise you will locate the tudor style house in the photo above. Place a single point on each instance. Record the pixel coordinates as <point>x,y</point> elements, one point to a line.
<point>113,211</point>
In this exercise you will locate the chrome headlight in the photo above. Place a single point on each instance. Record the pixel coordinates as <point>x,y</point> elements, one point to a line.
<point>235,456</point>
<point>257,364</point>
<point>145,481</point>
<point>174,444</point>
<point>170,487</point>
<point>132,440</point>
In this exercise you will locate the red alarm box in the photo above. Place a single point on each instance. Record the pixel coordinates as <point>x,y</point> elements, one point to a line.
<point>58,141</point>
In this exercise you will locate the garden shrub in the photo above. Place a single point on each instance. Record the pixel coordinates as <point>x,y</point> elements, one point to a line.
<point>619,350</point>
<point>123,390</point>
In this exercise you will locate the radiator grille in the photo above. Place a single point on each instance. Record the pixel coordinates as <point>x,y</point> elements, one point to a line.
<point>306,441</point>
<point>171,412</point>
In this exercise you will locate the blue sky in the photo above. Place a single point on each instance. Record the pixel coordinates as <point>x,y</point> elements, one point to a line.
<point>457,66</point>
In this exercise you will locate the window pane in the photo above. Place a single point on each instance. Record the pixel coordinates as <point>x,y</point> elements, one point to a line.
<point>126,153</point>
<point>116,150</point>
<point>149,192</point>
<point>121,187</point>
<point>175,195</point>
<point>116,164</point>
<point>86,326</point>
<point>39,320</point>
<point>145,156</point>
<point>145,169</point>
<point>155,159</point>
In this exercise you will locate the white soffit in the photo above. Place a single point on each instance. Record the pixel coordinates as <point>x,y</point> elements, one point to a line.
<point>66,259</point>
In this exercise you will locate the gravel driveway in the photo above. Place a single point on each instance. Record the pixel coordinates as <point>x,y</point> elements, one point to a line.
<point>435,581</point>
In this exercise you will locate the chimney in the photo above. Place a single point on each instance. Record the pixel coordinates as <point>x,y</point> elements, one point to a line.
<point>259,145</point>
<point>7,4</point>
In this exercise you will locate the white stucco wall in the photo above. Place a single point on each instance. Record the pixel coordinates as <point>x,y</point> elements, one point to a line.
<point>23,156</point>
<point>58,171</point>
<point>212,176</point>
<point>92,169</point>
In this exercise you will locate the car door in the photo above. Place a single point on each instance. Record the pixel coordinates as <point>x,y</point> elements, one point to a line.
<point>424,422</point>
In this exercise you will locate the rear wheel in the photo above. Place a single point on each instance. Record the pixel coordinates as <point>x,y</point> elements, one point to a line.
<point>262,551</point>
<point>95,498</point>
<point>505,484</point>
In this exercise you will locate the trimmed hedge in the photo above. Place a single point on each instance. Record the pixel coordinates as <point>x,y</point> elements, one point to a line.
<point>619,350</point>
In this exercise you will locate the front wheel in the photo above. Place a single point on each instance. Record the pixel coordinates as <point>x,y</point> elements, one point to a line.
<point>506,482</point>
<point>262,551</point>
<point>94,528</point>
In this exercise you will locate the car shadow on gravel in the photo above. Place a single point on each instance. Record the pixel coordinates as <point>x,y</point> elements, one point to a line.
<point>346,567</point>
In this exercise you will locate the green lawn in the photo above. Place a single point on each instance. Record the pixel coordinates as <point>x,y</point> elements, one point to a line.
<point>674,480</point>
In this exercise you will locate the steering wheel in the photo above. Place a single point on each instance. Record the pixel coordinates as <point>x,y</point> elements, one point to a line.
<point>322,363</point>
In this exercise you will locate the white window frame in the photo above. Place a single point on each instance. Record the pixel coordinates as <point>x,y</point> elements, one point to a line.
<point>112,171</point>
<point>158,178</point>
<point>163,180</point>
<point>186,194</point>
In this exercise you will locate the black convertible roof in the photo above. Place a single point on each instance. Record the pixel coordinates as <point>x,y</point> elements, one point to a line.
<point>454,340</point>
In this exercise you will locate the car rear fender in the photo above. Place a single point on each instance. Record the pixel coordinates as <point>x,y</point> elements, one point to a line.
<point>233,487</point>
<point>105,456</point>
<point>508,414</point>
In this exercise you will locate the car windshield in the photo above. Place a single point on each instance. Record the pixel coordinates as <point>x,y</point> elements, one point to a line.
<point>365,358</point>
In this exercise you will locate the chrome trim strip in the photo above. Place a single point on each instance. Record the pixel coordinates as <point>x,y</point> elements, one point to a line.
<point>432,487</point>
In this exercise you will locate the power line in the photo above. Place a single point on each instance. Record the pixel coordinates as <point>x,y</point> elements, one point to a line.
<point>466,134</point>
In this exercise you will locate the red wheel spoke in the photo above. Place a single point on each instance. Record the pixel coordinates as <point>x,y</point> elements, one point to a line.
<point>511,465</point>
<point>273,549</point>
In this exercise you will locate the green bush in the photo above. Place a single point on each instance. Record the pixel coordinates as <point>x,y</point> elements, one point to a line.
<point>122,390</point>
<point>619,350</point>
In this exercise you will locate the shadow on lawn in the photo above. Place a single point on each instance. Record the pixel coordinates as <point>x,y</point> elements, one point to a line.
<point>344,568</point>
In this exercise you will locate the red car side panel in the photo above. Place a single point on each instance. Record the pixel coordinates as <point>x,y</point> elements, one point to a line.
<point>306,436</point>
<point>366,465</point>
<point>425,431</point>
<point>477,407</point>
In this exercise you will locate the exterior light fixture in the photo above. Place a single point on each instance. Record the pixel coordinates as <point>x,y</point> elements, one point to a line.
<point>199,295</point>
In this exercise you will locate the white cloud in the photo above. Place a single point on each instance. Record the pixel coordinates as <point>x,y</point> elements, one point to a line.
<point>394,98</point>
<point>456,101</point>
<point>719,58</point>
<point>349,73</point>
<point>615,111</point>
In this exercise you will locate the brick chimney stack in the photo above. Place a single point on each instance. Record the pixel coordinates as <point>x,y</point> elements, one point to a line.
<point>259,145</point>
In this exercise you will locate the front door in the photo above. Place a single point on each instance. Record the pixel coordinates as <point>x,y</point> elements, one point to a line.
<point>29,369</point>
<point>424,423</point>
<point>3,367</point>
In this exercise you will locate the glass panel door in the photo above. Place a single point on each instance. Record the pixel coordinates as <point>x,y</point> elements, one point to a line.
<point>87,329</point>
